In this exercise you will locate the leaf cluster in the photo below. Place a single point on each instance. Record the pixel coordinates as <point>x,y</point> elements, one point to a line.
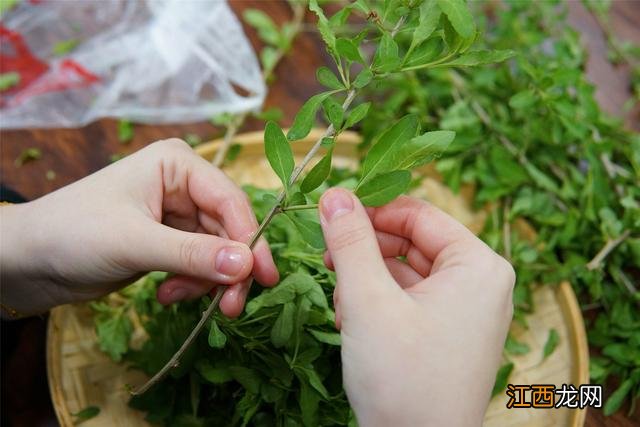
<point>277,364</point>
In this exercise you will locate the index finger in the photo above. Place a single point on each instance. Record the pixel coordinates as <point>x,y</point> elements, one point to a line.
<point>228,202</point>
<point>427,227</point>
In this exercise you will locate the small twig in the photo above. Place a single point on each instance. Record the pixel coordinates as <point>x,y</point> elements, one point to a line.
<point>506,230</point>
<point>397,27</point>
<point>606,250</point>
<point>592,306</point>
<point>232,129</point>
<point>299,207</point>
<point>619,275</point>
<point>175,359</point>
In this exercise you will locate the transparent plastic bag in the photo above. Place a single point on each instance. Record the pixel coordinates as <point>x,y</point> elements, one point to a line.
<point>152,61</point>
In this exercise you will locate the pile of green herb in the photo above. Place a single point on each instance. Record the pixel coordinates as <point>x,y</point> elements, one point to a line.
<point>278,364</point>
<point>532,140</point>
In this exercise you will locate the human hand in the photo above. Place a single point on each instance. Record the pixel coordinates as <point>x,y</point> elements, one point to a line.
<point>421,339</point>
<point>161,208</point>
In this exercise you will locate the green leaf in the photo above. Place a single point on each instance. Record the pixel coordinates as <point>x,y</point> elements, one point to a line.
<point>541,179</point>
<point>125,131</point>
<point>283,326</point>
<point>327,142</point>
<point>523,99</point>
<point>233,152</point>
<point>349,50</point>
<point>7,5</point>
<point>309,402</point>
<point>480,57</point>
<point>314,380</point>
<point>217,338</point>
<point>296,198</point>
<point>502,378</point>
<point>306,116</point>
<point>429,19</point>
<point>357,114</point>
<point>28,155</point>
<point>425,53</point>
<point>382,156</point>
<point>334,112</point>
<point>317,296</point>
<point>278,152</point>
<point>267,29</point>
<point>294,284</point>
<point>513,346</point>
<point>9,80</point>
<point>459,15</point>
<point>275,114</point>
<point>622,354</point>
<point>340,17</point>
<point>386,58</point>
<point>248,378</point>
<point>363,78</point>
<point>317,174</point>
<point>192,139</point>
<point>63,47</point>
<point>331,338</point>
<point>326,78</point>
<point>422,149</point>
<point>213,374</point>
<point>309,229</point>
<point>384,188</point>
<point>326,32</point>
<point>615,401</point>
<point>114,332</point>
<point>86,414</point>
<point>247,406</point>
<point>551,343</point>
<point>268,57</point>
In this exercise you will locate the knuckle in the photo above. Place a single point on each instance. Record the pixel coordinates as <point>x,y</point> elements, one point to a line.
<point>505,276</point>
<point>344,237</point>
<point>191,250</point>
<point>173,144</point>
<point>508,271</point>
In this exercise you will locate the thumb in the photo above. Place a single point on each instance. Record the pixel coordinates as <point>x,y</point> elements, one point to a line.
<point>352,245</point>
<point>200,255</point>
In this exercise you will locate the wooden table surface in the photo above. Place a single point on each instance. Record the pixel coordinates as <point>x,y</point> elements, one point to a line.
<point>75,153</point>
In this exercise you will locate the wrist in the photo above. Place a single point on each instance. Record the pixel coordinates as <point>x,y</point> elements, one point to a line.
<point>24,288</point>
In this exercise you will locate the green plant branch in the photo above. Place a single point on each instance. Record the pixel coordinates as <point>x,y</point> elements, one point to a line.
<point>175,359</point>
<point>232,129</point>
<point>606,250</point>
<point>277,208</point>
<point>506,229</point>
<point>299,207</point>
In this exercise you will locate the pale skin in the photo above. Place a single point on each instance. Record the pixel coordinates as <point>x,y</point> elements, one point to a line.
<point>421,336</point>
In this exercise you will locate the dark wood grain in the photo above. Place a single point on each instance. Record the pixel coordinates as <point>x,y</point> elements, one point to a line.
<point>75,153</point>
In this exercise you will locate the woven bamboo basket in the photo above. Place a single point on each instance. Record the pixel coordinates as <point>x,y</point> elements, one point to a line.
<point>80,375</point>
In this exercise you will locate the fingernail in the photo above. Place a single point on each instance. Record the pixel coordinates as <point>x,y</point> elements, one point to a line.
<point>178,294</point>
<point>335,203</point>
<point>230,261</point>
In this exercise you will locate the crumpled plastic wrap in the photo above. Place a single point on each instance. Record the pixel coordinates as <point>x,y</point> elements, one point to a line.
<point>152,61</point>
